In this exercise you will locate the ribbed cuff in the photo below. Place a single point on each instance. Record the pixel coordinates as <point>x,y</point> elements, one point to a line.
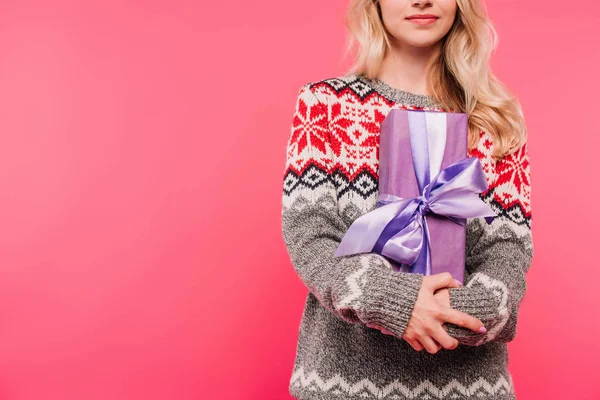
<point>478,302</point>
<point>390,299</point>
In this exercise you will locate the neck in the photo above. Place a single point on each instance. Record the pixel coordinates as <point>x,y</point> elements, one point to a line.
<point>405,67</point>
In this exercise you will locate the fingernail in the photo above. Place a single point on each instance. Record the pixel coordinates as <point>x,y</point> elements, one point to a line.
<point>458,282</point>
<point>482,329</point>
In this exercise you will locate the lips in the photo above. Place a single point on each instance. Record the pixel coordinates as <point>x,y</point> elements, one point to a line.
<point>422,16</point>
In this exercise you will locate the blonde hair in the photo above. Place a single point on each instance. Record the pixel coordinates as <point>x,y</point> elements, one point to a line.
<point>460,79</point>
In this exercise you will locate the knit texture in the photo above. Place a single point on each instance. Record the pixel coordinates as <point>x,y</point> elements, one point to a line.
<point>330,179</point>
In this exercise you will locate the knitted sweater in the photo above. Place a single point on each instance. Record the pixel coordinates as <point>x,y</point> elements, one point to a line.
<point>330,179</point>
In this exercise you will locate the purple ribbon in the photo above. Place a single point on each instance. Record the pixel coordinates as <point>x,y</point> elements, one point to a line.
<point>397,227</point>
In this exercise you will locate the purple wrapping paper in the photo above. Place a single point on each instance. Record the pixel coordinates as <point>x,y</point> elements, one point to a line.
<point>397,177</point>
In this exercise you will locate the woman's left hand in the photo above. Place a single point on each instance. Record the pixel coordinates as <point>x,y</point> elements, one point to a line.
<point>443,296</point>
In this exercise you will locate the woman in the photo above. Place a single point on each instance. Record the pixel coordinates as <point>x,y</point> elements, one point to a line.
<point>365,326</point>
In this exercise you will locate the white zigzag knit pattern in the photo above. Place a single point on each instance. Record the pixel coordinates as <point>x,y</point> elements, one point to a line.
<point>426,389</point>
<point>501,292</point>
<point>354,284</point>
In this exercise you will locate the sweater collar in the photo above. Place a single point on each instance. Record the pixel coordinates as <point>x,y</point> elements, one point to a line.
<point>397,95</point>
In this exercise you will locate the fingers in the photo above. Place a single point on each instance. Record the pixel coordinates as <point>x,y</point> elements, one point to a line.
<point>455,283</point>
<point>430,345</point>
<point>423,342</point>
<point>432,338</point>
<point>427,342</point>
<point>444,339</point>
<point>462,319</point>
<point>415,344</point>
<point>441,280</point>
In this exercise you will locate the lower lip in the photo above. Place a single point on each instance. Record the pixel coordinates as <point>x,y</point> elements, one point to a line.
<point>422,21</point>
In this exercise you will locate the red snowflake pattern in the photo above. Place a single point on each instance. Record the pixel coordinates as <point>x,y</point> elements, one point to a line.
<point>340,127</point>
<point>310,127</point>
<point>513,185</point>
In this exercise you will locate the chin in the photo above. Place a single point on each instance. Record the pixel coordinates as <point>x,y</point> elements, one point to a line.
<point>422,43</point>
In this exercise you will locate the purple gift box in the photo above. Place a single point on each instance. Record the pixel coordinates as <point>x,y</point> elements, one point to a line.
<point>427,188</point>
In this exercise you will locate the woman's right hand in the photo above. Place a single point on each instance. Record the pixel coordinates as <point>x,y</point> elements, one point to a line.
<point>425,328</point>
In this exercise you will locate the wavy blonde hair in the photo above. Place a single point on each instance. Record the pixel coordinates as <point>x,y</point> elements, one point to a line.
<point>460,79</point>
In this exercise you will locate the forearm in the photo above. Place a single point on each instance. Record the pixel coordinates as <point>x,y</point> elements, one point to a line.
<point>495,282</point>
<point>360,288</point>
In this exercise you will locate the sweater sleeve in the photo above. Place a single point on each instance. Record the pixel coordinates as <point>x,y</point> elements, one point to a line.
<point>358,288</point>
<point>498,256</point>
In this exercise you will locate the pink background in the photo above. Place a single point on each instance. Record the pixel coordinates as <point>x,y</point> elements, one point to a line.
<point>141,139</point>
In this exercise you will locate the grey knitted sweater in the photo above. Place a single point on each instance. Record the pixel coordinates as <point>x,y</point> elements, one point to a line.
<point>330,179</point>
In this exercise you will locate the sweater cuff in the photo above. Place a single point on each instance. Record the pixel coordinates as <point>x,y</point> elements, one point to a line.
<point>476,301</point>
<point>390,299</point>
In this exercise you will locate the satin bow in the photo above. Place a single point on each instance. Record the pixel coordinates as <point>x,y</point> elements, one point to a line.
<point>397,227</point>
